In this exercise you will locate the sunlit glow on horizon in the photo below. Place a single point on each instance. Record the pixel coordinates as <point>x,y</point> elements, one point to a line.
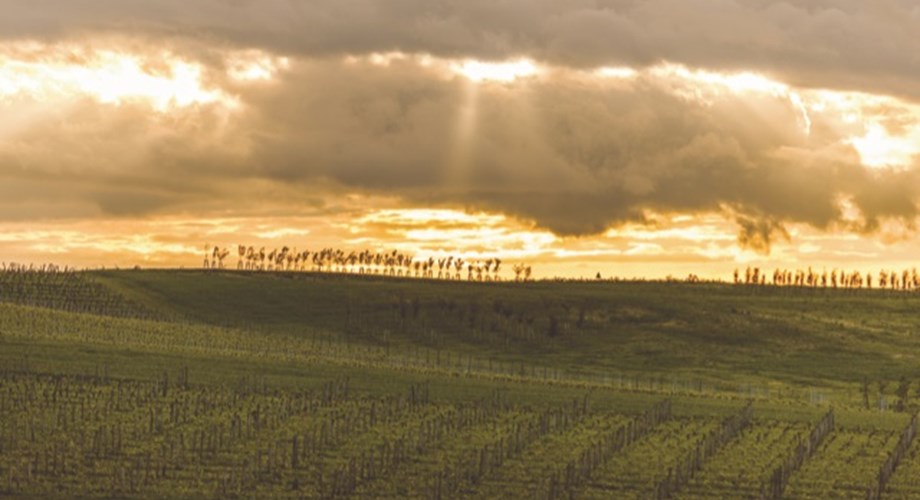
<point>442,231</point>
<point>277,234</point>
<point>425,215</point>
<point>694,232</point>
<point>671,246</point>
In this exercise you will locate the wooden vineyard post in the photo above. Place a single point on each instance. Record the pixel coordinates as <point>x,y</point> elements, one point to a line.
<point>693,461</point>
<point>568,478</point>
<point>806,448</point>
<point>875,490</point>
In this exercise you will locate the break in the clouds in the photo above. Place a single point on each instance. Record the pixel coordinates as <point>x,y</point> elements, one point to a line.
<point>575,117</point>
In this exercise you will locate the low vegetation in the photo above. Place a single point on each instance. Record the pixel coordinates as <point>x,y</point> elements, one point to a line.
<point>295,383</point>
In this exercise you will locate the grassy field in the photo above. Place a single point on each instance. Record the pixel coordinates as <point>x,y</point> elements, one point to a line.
<point>189,383</point>
<point>730,337</point>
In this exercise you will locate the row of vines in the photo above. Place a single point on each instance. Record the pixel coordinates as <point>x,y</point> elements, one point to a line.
<point>67,289</point>
<point>92,436</point>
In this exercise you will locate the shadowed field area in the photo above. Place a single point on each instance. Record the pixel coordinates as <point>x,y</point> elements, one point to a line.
<point>708,331</point>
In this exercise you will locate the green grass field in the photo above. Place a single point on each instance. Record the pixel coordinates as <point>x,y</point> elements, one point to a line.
<point>189,383</point>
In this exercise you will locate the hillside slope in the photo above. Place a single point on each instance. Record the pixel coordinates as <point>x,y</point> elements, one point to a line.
<point>733,333</point>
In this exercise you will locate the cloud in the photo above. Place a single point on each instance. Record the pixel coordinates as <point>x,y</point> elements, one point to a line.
<point>561,150</point>
<point>759,234</point>
<point>846,44</point>
<point>572,157</point>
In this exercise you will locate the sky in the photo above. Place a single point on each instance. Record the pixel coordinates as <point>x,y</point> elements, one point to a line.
<point>622,137</point>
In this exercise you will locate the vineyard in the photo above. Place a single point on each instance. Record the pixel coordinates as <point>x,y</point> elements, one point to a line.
<point>97,436</point>
<point>66,290</point>
<point>236,384</point>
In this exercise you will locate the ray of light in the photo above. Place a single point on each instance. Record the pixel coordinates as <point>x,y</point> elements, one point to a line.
<point>855,112</point>
<point>460,154</point>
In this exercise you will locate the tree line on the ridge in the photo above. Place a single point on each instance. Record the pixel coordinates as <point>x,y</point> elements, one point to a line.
<point>391,263</point>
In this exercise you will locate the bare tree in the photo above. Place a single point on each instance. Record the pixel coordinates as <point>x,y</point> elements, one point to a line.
<point>221,255</point>
<point>458,265</point>
<point>207,254</point>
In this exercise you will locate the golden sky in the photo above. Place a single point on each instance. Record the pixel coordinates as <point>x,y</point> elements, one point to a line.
<point>628,138</point>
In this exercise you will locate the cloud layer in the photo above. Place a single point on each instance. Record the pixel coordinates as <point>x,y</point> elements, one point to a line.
<point>690,128</point>
<point>828,43</point>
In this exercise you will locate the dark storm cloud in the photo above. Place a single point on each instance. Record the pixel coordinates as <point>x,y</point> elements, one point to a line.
<point>850,44</point>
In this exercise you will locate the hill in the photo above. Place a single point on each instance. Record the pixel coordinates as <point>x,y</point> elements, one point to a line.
<point>714,332</point>
<point>218,383</point>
